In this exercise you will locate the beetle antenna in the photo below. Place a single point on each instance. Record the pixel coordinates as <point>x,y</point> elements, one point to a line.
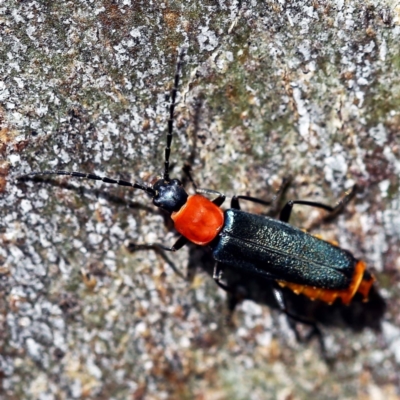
<point>172,103</point>
<point>94,177</point>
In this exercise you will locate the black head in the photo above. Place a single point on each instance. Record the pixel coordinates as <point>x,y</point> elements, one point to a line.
<point>170,196</point>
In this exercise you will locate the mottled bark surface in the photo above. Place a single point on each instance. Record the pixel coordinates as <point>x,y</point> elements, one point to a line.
<point>270,90</point>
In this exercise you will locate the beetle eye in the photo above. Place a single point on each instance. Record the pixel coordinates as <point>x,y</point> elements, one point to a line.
<point>176,182</point>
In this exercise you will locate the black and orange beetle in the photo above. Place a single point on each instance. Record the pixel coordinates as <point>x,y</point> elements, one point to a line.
<point>253,244</point>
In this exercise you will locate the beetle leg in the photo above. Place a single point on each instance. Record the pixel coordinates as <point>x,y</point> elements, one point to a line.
<point>281,190</point>
<point>235,201</point>
<point>182,241</point>
<point>280,300</point>
<point>158,246</point>
<point>333,211</point>
<point>187,169</point>
<point>217,276</point>
<point>275,200</point>
<point>286,211</point>
<point>342,203</point>
<point>218,199</point>
<point>161,249</point>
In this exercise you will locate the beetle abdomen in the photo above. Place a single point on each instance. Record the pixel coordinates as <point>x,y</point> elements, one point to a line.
<point>360,283</point>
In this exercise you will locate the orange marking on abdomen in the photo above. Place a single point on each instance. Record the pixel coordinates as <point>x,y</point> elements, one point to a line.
<point>357,284</point>
<point>365,286</point>
<point>199,220</point>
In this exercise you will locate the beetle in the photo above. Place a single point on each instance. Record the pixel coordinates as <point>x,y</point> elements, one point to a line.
<point>257,245</point>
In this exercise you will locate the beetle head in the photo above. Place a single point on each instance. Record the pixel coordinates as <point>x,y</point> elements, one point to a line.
<point>170,196</point>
